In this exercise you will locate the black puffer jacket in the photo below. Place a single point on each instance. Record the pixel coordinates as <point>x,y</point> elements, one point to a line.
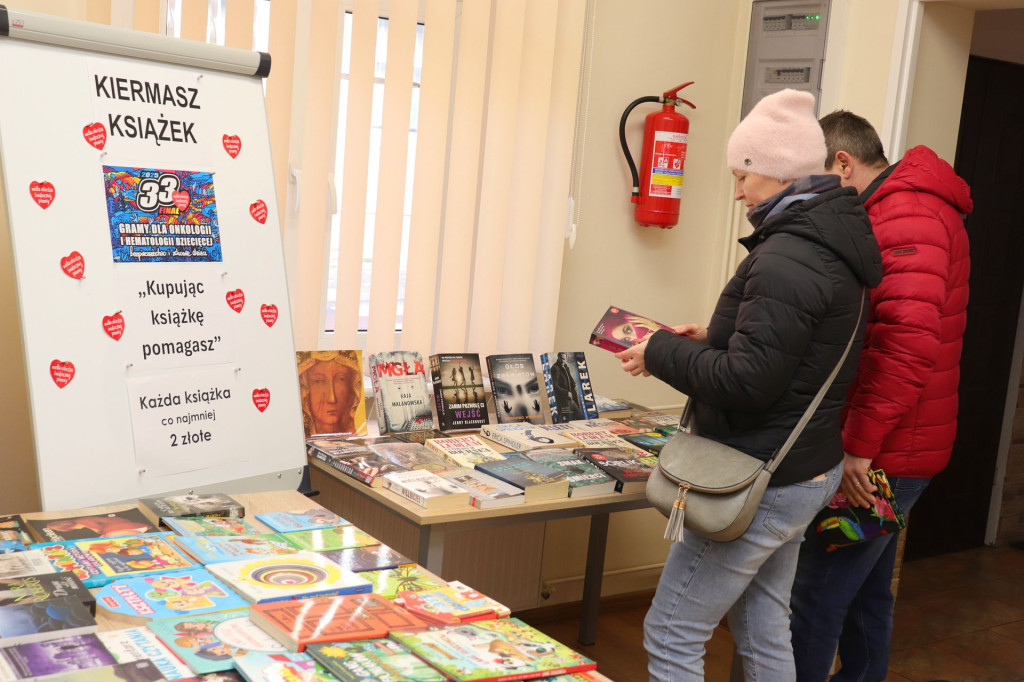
<point>780,326</point>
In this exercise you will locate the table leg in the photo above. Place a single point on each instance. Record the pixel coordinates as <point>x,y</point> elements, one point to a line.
<point>430,553</point>
<point>592,580</point>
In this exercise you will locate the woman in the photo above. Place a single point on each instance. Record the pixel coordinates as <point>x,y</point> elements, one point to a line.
<point>780,327</point>
<point>331,389</point>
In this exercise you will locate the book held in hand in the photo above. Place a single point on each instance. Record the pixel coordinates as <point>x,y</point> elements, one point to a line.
<point>515,388</point>
<point>620,329</point>
<point>567,380</point>
<point>458,387</point>
<point>193,504</point>
<point>400,391</point>
<point>426,489</point>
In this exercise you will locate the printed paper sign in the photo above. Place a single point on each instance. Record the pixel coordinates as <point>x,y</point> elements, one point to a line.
<point>667,158</point>
<point>158,215</point>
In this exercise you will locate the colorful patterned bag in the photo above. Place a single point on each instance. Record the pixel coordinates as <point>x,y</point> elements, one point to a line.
<point>841,524</point>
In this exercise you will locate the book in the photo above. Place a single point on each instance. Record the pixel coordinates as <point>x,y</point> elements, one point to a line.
<point>45,586</point>
<point>597,438</point>
<point>363,464</point>
<point>212,549</point>
<point>585,479</point>
<point>303,574</point>
<point>382,660</point>
<point>53,657</point>
<point>49,619</point>
<point>613,408</point>
<point>29,562</point>
<point>209,643</point>
<point>134,671</point>
<point>485,492</point>
<point>420,437</point>
<point>389,582</point>
<point>411,456</point>
<point>368,558</point>
<point>454,603</point>
<point>284,666</point>
<point>331,391</point>
<point>620,329</point>
<point>141,644</point>
<point>338,447</point>
<point>192,504</point>
<point>651,441</point>
<point>631,475</point>
<point>114,524</point>
<point>400,391</point>
<point>492,650</point>
<point>167,595</point>
<point>537,481</point>
<point>14,534</point>
<point>521,437</point>
<point>339,537</point>
<point>426,489</point>
<point>209,525</point>
<point>653,420</point>
<point>314,518</point>
<point>567,380</point>
<point>300,622</point>
<point>604,424</point>
<point>458,387</point>
<point>367,441</point>
<point>98,561</point>
<point>515,388</point>
<point>464,451</point>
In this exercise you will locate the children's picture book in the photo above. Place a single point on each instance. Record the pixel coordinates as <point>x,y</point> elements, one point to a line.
<point>135,671</point>
<point>141,644</point>
<point>630,474</point>
<point>651,441</point>
<point>454,603</point>
<point>192,504</point>
<point>567,380</point>
<point>283,666</point>
<point>492,650</point>
<point>411,456</point>
<point>364,465</point>
<point>537,481</point>
<point>596,438</point>
<point>620,329</point>
<point>53,657</point>
<point>98,561</point>
<point>314,518</point>
<point>400,392</point>
<point>212,549</point>
<point>484,491</point>
<point>50,619</point>
<point>211,642</point>
<point>420,437</point>
<point>389,582</point>
<point>464,451</point>
<point>114,524</point>
<point>604,424</point>
<point>303,574</point>
<point>167,595</point>
<point>30,589</point>
<point>297,623</point>
<point>426,489</point>
<point>14,534</point>
<point>382,660</point>
<point>585,479</point>
<point>209,525</point>
<point>369,558</point>
<point>324,539</point>
<point>458,386</point>
<point>515,388</point>
<point>521,437</point>
<point>331,391</point>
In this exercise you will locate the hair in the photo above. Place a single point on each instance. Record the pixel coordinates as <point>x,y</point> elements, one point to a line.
<point>850,133</point>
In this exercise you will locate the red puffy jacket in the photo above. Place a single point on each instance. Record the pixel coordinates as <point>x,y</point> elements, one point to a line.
<point>902,409</point>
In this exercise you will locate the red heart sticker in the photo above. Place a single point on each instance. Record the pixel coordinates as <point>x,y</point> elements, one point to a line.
<point>64,372</point>
<point>181,199</point>
<point>269,314</point>
<point>261,398</point>
<point>43,193</point>
<point>258,211</point>
<point>232,145</point>
<point>236,299</point>
<point>95,134</point>
<point>113,325</point>
<point>73,265</point>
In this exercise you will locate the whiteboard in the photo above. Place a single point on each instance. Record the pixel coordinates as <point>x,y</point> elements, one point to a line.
<point>150,276</point>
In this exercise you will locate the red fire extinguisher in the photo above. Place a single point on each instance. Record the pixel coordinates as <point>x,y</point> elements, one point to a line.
<point>659,188</point>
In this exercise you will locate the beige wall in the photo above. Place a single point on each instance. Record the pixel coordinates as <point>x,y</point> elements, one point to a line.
<point>997,35</point>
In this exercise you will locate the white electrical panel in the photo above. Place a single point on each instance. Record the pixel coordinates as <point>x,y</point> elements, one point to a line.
<point>786,48</point>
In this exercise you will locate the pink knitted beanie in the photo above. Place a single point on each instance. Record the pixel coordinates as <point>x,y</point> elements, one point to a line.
<point>779,138</point>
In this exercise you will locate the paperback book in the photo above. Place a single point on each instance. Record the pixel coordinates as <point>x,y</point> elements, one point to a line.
<point>614,408</point>
<point>420,437</point>
<point>315,518</point>
<point>20,564</point>
<point>652,420</point>
<point>114,524</point>
<point>14,534</point>
<point>458,387</point>
<point>454,603</point>
<point>604,424</point>
<point>212,549</point>
<point>331,391</point>
<point>567,380</point>
<point>135,671</point>
<point>336,447</point>
<point>365,465</point>
<point>209,525</point>
<point>651,441</point>
<point>389,582</point>
<point>630,474</point>
<point>593,438</point>
<point>97,562</point>
<point>303,574</point>
<point>325,539</point>
<point>400,391</point>
<point>193,504</point>
<point>369,558</point>
<point>484,491</point>
<point>426,489</point>
<point>141,644</point>
<point>537,481</point>
<point>282,667</point>
<point>464,451</point>
<point>210,642</point>
<point>620,329</point>
<point>43,587</point>
<point>521,437</point>
<point>585,479</point>
<point>382,660</point>
<point>39,621</point>
<point>167,595</point>
<point>411,456</point>
<point>53,657</point>
<point>515,388</point>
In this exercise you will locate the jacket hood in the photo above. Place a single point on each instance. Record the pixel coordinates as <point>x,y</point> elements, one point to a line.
<point>921,170</point>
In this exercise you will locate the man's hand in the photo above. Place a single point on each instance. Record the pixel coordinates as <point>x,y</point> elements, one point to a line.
<point>855,483</point>
<point>633,359</point>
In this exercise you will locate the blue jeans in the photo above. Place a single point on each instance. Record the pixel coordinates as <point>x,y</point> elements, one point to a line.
<point>843,599</point>
<point>749,578</point>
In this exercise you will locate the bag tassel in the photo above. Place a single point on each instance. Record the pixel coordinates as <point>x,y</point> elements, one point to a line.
<point>674,529</point>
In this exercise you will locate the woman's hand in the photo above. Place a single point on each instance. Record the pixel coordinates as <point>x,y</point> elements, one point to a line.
<point>855,484</point>
<point>692,331</point>
<point>633,359</point>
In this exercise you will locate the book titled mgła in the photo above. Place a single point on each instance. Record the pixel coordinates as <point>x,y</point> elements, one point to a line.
<point>620,329</point>
<point>458,386</point>
<point>400,391</point>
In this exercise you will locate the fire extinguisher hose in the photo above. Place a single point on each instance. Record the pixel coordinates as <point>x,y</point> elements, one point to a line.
<point>622,138</point>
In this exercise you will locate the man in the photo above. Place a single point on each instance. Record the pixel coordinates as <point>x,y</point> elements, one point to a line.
<point>901,410</point>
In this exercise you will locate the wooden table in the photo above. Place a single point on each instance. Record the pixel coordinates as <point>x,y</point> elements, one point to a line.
<point>432,525</point>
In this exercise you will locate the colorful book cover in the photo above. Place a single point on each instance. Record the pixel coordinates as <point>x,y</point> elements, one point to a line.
<point>364,465</point>
<point>454,603</point>
<point>211,642</point>
<point>426,489</point>
<point>297,623</point>
<point>420,437</point>
<point>464,451</point>
<point>493,650</point>
<point>336,447</point>
<point>537,481</point>
<point>411,456</point>
<point>651,441</point>
<point>314,518</point>
<point>567,380</point>
<point>114,524</point>
<point>389,582</point>
<point>616,407</point>
<point>96,562</point>
<point>20,564</point>
<point>303,574</point>
<point>324,539</point>
<point>521,437</point>
<point>141,644</point>
<point>585,479</point>
<point>50,619</point>
<point>604,424</point>
<point>135,671</point>
<point>629,472</point>
<point>331,391</point>
<point>44,586</point>
<point>515,388</point>
<point>657,419</point>
<point>53,657</point>
<point>369,558</point>
<point>212,549</point>
<point>620,329</point>
<point>168,595</point>
<point>381,660</point>
<point>400,391</point>
<point>458,386</point>
<point>282,667</point>
<point>192,504</point>
<point>484,491</point>
<point>209,525</point>
<point>14,534</point>
<point>594,438</point>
